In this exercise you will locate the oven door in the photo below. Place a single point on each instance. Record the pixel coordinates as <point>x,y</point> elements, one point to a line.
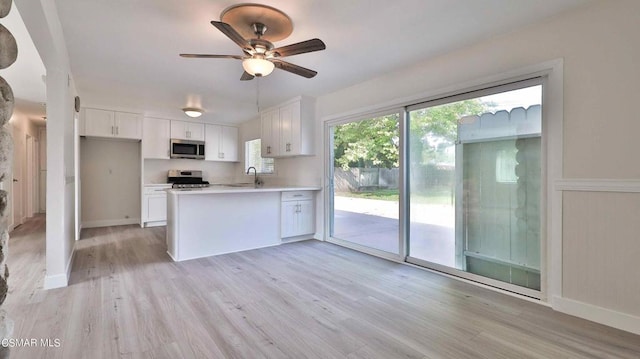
<point>187,149</point>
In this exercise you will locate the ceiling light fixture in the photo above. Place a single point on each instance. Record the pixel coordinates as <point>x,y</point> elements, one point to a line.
<point>192,112</point>
<point>258,66</point>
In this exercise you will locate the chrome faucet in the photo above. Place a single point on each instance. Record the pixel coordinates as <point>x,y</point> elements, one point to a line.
<point>255,175</point>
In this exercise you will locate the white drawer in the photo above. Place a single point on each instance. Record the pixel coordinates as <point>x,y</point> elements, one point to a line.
<point>156,189</point>
<point>296,195</point>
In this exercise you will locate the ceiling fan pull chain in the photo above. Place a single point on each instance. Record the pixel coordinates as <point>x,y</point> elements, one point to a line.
<point>258,94</point>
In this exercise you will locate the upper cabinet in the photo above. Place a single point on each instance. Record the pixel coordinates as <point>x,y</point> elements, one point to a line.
<point>114,124</point>
<point>156,137</point>
<point>287,130</point>
<point>221,143</point>
<point>184,130</point>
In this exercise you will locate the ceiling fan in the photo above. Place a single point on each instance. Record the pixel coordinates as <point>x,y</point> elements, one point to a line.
<point>260,55</point>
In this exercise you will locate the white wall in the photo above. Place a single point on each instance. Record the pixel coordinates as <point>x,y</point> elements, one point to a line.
<point>110,176</point>
<point>601,124</point>
<point>41,20</point>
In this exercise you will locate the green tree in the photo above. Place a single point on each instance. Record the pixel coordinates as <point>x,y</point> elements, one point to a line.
<point>433,129</point>
<point>367,143</point>
<point>374,142</point>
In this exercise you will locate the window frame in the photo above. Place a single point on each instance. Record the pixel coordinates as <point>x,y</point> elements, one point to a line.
<point>246,158</point>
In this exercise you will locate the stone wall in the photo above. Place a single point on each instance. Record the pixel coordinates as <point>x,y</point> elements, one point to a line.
<point>8,55</point>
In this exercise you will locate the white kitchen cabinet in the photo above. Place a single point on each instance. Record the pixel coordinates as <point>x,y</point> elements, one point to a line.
<point>184,130</point>
<point>113,124</point>
<point>154,205</point>
<point>221,143</point>
<point>270,128</point>
<point>156,135</point>
<point>287,130</point>
<point>297,214</point>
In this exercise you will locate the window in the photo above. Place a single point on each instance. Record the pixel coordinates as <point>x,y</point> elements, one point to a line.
<point>253,157</point>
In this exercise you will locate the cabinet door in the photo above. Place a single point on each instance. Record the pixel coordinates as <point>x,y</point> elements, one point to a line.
<point>179,130</point>
<point>157,208</point>
<point>306,218</point>
<point>195,131</point>
<point>288,219</point>
<point>290,129</point>
<point>270,133</point>
<point>156,135</point>
<point>128,125</point>
<point>229,142</point>
<point>99,123</point>
<point>212,147</point>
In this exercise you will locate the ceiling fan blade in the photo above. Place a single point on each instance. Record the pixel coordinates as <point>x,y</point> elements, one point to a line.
<point>207,56</point>
<point>298,48</point>
<point>232,34</point>
<point>295,69</point>
<point>246,76</point>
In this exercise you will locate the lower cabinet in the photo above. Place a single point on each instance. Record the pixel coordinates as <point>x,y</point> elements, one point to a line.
<point>154,205</point>
<point>297,214</point>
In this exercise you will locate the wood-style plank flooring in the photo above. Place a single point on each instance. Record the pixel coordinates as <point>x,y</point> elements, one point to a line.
<point>310,299</point>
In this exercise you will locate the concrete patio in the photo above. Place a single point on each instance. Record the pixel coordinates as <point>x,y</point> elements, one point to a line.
<point>374,223</point>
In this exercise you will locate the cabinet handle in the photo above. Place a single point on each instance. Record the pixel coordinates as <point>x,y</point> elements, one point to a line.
<point>222,155</point>
<point>268,149</point>
<point>113,132</point>
<point>117,130</point>
<point>288,147</point>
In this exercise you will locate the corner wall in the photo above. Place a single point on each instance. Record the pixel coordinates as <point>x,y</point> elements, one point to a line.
<point>42,22</point>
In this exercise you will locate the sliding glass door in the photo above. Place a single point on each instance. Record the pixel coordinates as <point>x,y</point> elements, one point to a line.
<point>364,173</point>
<point>453,184</point>
<point>475,185</point>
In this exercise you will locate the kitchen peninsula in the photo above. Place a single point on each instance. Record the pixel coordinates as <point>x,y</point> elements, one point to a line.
<point>204,222</point>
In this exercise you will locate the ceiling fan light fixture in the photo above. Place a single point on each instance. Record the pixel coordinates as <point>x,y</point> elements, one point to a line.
<point>257,66</point>
<point>192,112</point>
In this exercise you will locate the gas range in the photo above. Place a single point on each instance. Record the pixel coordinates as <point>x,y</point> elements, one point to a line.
<point>186,179</point>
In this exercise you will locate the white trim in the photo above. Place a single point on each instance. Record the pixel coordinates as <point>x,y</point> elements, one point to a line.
<point>153,224</point>
<point>110,222</point>
<point>60,280</point>
<point>597,185</point>
<point>597,314</point>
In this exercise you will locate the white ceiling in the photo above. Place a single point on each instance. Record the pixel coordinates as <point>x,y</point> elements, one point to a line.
<point>124,54</point>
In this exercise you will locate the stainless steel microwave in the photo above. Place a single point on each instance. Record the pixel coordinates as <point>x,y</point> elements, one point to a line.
<point>187,149</point>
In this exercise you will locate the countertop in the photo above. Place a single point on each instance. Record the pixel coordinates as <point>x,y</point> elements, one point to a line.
<point>217,189</point>
<point>157,184</point>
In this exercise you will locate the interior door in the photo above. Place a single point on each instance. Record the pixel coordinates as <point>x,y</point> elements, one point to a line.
<point>16,187</point>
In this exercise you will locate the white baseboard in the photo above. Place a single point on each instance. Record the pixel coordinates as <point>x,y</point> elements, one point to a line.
<point>155,224</point>
<point>612,318</point>
<point>110,222</point>
<point>60,280</point>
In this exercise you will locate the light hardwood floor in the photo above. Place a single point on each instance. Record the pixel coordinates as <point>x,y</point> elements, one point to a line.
<point>310,299</point>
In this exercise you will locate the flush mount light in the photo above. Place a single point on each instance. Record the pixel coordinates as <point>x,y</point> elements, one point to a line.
<point>258,66</point>
<point>192,112</point>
